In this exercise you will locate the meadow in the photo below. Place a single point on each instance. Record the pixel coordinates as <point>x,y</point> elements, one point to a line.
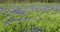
<point>32,17</point>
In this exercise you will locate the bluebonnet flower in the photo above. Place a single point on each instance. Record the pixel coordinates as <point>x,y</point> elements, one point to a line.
<point>32,6</point>
<point>58,8</point>
<point>24,29</point>
<point>37,29</point>
<point>18,11</point>
<point>18,19</point>
<point>19,22</point>
<point>10,19</point>
<point>25,18</point>
<point>45,8</point>
<point>14,10</point>
<point>55,9</point>
<point>48,5</point>
<point>1,7</point>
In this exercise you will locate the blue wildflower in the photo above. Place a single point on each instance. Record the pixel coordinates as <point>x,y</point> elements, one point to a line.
<point>1,7</point>
<point>19,22</point>
<point>8,20</point>
<point>25,30</point>
<point>18,11</point>
<point>18,19</point>
<point>37,29</point>
<point>25,18</point>
<point>11,19</point>
<point>45,8</point>
<point>32,6</point>
<point>58,8</point>
<point>48,5</point>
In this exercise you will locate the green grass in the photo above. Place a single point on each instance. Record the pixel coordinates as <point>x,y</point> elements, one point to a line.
<point>50,20</point>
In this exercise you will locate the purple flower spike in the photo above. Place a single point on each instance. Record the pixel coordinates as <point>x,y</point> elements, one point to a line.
<point>12,19</point>
<point>18,19</point>
<point>24,29</point>
<point>25,18</point>
<point>9,21</point>
<point>37,29</point>
<point>18,11</point>
<point>1,7</point>
<point>19,22</point>
<point>32,6</point>
<point>58,8</point>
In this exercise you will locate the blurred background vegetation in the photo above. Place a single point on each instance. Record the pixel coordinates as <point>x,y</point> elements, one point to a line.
<point>29,1</point>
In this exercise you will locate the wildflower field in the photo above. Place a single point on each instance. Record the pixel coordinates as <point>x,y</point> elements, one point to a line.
<point>33,17</point>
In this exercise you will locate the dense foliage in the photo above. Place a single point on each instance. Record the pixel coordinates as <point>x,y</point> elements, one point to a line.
<point>33,21</point>
<point>34,17</point>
